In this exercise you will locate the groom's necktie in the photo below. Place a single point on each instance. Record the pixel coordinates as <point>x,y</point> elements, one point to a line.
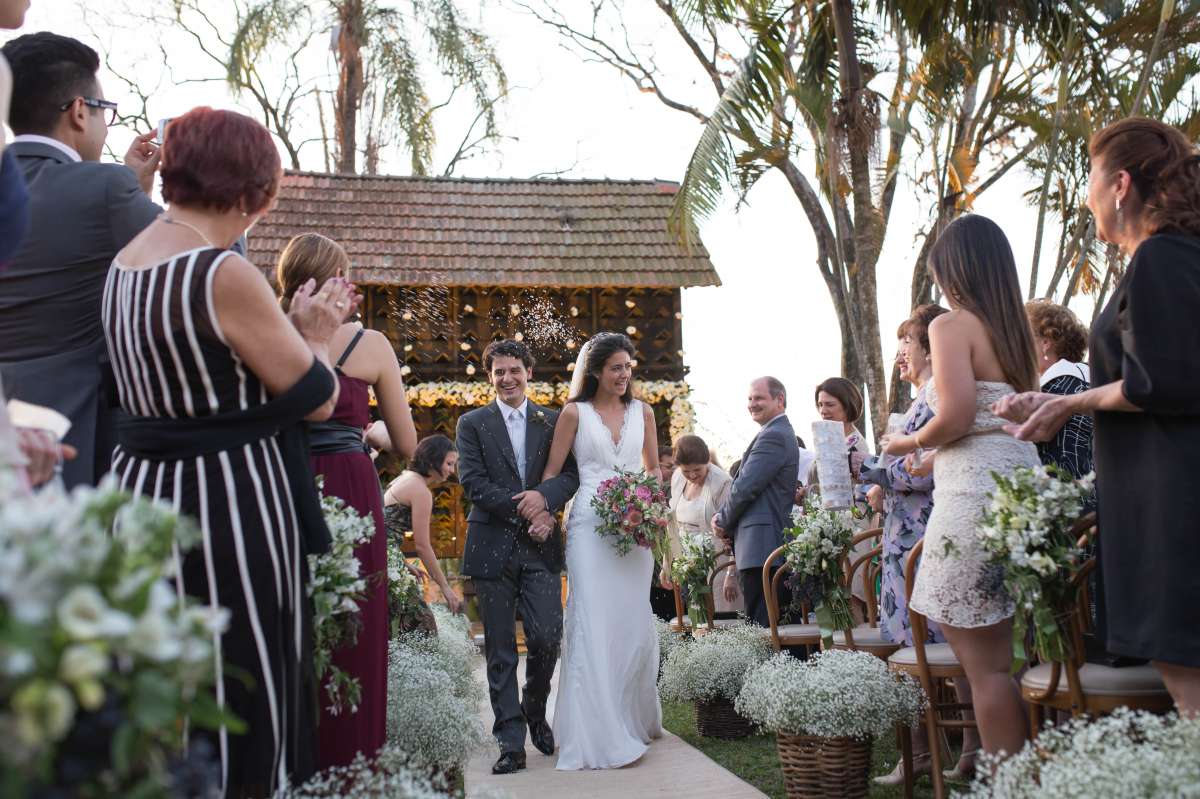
<point>516,434</point>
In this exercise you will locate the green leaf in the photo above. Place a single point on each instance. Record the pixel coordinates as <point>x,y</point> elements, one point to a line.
<point>154,701</point>
<point>123,747</point>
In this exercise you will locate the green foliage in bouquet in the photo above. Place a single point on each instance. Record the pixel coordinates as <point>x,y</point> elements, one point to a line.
<point>633,512</point>
<point>691,569</point>
<point>815,546</point>
<point>336,586</point>
<point>1027,533</point>
<point>407,610</point>
<point>96,644</point>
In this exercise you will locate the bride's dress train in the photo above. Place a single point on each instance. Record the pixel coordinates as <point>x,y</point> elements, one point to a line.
<point>607,709</point>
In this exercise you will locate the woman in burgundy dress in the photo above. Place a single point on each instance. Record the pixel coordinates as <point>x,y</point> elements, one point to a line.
<point>364,359</point>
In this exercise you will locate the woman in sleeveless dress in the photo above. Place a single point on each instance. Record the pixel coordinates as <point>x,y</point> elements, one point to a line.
<point>982,351</point>
<point>408,506</point>
<point>607,710</point>
<point>365,360</point>
<point>199,348</point>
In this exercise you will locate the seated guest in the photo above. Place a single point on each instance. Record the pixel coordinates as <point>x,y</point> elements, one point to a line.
<point>698,491</point>
<point>1061,341</point>
<point>759,505</point>
<point>214,381</point>
<point>408,505</point>
<point>82,212</point>
<point>365,362</point>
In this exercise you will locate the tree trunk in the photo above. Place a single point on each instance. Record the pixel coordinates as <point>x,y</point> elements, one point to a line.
<point>348,98</point>
<point>1168,9</point>
<point>1051,154</point>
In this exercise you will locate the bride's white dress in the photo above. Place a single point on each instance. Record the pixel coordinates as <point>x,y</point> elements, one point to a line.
<point>607,709</point>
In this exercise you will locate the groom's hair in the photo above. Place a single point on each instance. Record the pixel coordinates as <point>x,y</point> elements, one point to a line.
<point>507,348</point>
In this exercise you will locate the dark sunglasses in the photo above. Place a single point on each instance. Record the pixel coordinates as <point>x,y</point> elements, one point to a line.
<point>91,102</point>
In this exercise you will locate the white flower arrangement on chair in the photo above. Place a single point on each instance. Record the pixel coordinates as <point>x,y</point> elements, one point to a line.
<point>713,666</point>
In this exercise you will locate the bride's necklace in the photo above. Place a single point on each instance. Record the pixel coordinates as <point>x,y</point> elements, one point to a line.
<point>203,236</point>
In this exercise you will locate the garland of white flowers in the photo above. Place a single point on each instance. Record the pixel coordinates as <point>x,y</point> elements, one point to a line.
<point>476,393</point>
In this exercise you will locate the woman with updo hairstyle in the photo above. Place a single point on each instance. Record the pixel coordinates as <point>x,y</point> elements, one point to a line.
<point>1144,193</point>
<point>1061,341</point>
<point>215,380</point>
<point>698,489</point>
<point>364,362</point>
<point>408,506</point>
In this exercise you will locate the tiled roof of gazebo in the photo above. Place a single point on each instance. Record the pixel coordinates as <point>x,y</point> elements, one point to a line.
<point>470,232</point>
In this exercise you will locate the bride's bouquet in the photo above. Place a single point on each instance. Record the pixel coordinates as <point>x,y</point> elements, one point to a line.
<point>633,511</point>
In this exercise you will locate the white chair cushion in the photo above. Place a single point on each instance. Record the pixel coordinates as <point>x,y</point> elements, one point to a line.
<point>799,631</point>
<point>1100,680</point>
<point>935,655</point>
<point>864,635</point>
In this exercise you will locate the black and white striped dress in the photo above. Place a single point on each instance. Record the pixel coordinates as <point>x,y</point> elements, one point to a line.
<point>171,360</point>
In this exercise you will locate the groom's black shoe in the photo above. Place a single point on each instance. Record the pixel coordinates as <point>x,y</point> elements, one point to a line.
<point>542,736</point>
<point>509,763</point>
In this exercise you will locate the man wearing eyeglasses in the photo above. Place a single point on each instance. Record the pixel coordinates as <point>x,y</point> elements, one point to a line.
<point>52,349</point>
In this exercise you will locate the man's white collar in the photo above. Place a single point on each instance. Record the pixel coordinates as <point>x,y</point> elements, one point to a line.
<point>33,138</point>
<point>1065,367</point>
<point>506,410</point>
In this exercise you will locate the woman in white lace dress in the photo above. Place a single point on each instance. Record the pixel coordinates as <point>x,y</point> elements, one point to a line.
<point>982,351</point>
<point>607,709</point>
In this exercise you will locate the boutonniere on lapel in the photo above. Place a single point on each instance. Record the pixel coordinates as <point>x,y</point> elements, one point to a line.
<point>539,416</point>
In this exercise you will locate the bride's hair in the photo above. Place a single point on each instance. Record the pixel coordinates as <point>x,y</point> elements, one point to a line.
<point>600,348</point>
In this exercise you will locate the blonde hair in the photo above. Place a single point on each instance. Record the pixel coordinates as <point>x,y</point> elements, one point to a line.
<point>308,256</point>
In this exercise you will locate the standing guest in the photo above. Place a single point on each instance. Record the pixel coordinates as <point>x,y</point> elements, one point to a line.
<point>666,466</point>
<point>906,500</point>
<point>699,489</point>
<point>214,380</point>
<point>1144,192</point>
<point>82,212</point>
<point>1061,341</point>
<point>759,505</point>
<point>365,361</point>
<point>408,506</point>
<point>982,352</point>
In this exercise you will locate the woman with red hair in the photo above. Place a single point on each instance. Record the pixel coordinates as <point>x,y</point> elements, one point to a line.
<point>215,381</point>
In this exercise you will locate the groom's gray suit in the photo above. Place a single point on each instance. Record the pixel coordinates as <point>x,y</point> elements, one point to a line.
<point>508,568</point>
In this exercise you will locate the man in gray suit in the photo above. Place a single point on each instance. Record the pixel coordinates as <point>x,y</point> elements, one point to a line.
<point>52,349</point>
<point>514,552</point>
<point>759,505</point>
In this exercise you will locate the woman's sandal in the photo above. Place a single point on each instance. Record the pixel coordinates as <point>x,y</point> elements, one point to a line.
<point>964,769</point>
<point>922,764</point>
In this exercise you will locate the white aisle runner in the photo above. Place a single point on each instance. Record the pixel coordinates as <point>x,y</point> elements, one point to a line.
<point>670,768</point>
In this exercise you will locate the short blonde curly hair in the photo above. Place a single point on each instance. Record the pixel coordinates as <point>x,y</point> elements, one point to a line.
<point>1060,326</point>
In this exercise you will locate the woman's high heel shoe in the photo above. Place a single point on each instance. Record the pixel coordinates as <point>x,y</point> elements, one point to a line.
<point>964,769</point>
<point>922,764</point>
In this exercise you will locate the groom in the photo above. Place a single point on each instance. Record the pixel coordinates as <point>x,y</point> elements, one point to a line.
<point>514,553</point>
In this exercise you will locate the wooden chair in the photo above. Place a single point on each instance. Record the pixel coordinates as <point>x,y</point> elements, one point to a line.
<point>865,637</point>
<point>1090,688</point>
<point>786,635</point>
<point>683,622</point>
<point>928,663</point>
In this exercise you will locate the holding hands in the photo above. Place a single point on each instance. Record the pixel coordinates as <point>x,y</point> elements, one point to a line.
<point>1035,416</point>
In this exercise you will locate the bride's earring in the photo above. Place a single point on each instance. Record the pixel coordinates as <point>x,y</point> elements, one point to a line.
<point>1120,214</point>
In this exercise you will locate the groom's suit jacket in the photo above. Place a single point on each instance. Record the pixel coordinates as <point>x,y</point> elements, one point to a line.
<point>759,505</point>
<point>487,470</point>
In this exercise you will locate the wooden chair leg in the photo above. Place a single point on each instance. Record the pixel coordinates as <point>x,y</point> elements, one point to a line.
<point>904,732</point>
<point>932,731</point>
<point>1035,720</point>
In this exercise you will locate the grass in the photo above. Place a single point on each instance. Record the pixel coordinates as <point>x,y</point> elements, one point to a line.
<point>756,760</point>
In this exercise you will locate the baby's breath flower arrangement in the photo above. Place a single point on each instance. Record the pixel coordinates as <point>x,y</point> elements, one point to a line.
<point>709,670</point>
<point>668,640</point>
<point>691,568</point>
<point>382,777</point>
<point>1027,533</point>
<point>432,713</point>
<point>1122,755</point>
<point>816,544</point>
<point>336,586</point>
<point>97,645</point>
<point>835,694</point>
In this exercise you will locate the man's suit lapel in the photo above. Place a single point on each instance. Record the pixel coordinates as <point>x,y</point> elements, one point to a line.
<point>499,430</point>
<point>535,440</point>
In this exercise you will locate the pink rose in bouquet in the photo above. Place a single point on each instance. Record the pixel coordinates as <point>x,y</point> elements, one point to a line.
<point>633,511</point>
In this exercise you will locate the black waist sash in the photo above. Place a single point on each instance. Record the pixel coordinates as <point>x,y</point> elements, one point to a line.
<point>335,438</point>
<point>165,439</point>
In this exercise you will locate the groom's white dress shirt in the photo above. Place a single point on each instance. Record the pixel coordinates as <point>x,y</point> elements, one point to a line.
<point>514,420</point>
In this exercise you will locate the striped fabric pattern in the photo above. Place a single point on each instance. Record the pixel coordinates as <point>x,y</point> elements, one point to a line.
<point>170,359</point>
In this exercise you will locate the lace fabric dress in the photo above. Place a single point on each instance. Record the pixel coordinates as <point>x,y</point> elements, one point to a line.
<point>955,585</point>
<point>607,709</point>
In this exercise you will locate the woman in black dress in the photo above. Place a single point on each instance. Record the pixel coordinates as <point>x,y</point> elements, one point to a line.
<point>1145,347</point>
<point>215,380</point>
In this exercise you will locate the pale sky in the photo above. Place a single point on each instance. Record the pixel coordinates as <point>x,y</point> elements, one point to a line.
<point>772,315</point>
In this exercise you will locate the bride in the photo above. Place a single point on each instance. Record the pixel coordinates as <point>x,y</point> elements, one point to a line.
<point>607,709</point>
